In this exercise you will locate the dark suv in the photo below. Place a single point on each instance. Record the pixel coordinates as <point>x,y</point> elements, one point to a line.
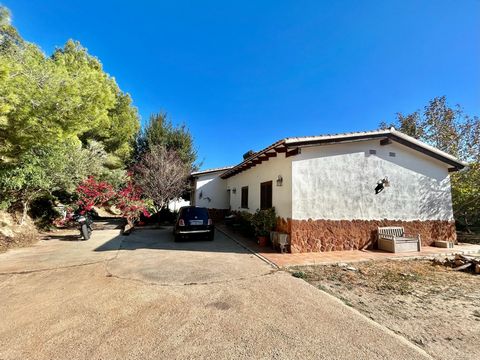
<point>193,221</point>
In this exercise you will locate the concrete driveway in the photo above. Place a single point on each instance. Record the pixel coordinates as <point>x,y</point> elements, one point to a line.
<point>146,297</point>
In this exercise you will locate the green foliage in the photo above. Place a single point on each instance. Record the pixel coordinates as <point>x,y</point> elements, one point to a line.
<point>299,274</point>
<point>264,221</point>
<point>466,196</point>
<point>161,132</point>
<point>8,34</point>
<point>45,169</point>
<point>5,16</point>
<point>65,96</point>
<point>62,118</point>
<point>26,180</point>
<point>244,219</point>
<point>451,130</point>
<point>42,210</point>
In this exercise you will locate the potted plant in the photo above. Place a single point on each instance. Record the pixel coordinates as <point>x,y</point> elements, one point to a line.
<point>263,222</point>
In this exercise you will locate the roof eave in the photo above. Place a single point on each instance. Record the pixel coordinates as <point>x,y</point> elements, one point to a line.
<point>284,144</point>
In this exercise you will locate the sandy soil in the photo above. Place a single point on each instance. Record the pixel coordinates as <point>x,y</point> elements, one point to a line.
<point>14,235</point>
<point>145,296</point>
<point>432,306</point>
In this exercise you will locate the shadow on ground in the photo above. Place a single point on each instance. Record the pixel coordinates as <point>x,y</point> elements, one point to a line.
<point>68,237</point>
<point>152,255</point>
<point>162,239</point>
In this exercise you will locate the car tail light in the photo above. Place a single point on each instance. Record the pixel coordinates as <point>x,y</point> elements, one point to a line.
<point>210,222</point>
<point>181,222</point>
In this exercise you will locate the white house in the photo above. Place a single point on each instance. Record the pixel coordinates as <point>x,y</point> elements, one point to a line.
<point>323,188</point>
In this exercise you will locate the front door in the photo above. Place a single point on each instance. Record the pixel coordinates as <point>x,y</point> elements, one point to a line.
<point>266,195</point>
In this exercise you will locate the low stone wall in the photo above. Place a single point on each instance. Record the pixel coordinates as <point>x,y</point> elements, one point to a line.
<point>333,235</point>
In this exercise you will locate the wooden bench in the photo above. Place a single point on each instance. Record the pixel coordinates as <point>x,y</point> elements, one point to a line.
<point>393,239</point>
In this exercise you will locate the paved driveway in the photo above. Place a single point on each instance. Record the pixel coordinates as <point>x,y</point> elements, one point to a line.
<point>146,297</point>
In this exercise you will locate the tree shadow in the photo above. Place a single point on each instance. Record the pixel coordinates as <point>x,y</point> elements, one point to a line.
<point>110,223</point>
<point>64,237</point>
<point>162,239</point>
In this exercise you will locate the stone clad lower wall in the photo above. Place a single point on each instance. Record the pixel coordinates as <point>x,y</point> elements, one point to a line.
<point>331,235</point>
<point>284,226</point>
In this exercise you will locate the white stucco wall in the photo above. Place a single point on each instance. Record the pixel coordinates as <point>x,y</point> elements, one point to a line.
<point>337,182</point>
<point>175,205</point>
<point>211,191</point>
<point>253,177</point>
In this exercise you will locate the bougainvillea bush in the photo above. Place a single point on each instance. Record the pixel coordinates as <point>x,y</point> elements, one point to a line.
<point>129,201</point>
<point>94,193</point>
<point>100,193</point>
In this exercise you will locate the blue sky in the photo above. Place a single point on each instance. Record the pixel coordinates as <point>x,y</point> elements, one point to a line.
<point>244,74</point>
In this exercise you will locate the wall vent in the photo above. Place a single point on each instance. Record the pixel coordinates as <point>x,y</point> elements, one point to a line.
<point>372,152</point>
<point>392,154</point>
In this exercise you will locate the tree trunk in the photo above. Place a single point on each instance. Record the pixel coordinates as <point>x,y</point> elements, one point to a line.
<point>467,225</point>
<point>24,213</point>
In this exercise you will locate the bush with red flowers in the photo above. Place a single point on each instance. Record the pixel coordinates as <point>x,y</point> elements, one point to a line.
<point>94,193</point>
<point>100,193</point>
<point>129,202</point>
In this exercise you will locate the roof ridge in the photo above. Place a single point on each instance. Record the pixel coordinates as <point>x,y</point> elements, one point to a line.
<point>212,170</point>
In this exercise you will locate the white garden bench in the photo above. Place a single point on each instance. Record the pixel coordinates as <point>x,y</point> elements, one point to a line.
<point>393,239</point>
<point>279,240</point>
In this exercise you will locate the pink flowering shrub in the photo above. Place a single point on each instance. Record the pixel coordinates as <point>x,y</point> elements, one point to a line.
<point>94,193</point>
<point>129,202</point>
<point>99,193</point>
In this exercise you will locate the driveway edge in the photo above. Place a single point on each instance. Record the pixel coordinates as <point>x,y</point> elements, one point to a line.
<point>272,264</point>
<point>373,322</point>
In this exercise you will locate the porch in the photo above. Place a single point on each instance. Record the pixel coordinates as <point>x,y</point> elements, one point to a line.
<point>346,256</point>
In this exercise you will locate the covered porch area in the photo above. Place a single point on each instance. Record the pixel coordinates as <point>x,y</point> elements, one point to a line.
<point>345,256</point>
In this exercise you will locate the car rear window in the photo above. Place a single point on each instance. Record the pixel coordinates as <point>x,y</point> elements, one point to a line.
<point>194,213</point>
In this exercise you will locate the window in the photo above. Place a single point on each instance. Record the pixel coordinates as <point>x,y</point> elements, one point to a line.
<point>266,195</point>
<point>194,213</point>
<point>245,197</point>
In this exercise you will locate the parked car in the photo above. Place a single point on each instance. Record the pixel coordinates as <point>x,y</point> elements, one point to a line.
<point>193,221</point>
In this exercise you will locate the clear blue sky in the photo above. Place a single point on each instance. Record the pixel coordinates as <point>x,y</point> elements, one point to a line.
<point>244,74</point>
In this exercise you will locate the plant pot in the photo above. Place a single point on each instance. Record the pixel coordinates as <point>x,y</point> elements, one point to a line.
<point>262,240</point>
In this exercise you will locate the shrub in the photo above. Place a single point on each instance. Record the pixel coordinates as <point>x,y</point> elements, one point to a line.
<point>42,211</point>
<point>264,221</point>
<point>299,274</point>
<point>94,193</point>
<point>128,200</point>
<point>245,221</point>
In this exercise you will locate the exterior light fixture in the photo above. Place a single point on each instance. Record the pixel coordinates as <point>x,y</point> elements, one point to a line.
<point>234,190</point>
<point>279,180</point>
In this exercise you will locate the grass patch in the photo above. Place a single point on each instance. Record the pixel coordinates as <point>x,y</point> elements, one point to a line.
<point>299,274</point>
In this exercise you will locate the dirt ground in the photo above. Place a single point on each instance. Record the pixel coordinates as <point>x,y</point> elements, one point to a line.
<point>14,235</point>
<point>430,305</point>
<point>144,296</point>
